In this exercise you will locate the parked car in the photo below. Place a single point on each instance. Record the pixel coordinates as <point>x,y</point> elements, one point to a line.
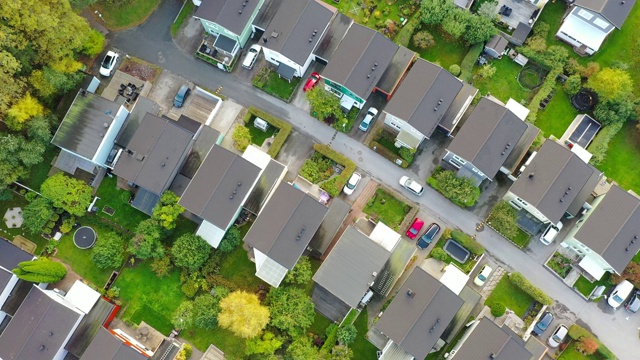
<point>634,302</point>
<point>483,275</point>
<point>415,228</point>
<point>550,233</point>
<point>558,336</point>
<point>428,236</point>
<point>368,119</point>
<point>620,293</point>
<point>353,182</point>
<point>108,63</point>
<point>543,324</point>
<point>181,96</point>
<point>312,81</point>
<point>251,57</point>
<point>411,185</point>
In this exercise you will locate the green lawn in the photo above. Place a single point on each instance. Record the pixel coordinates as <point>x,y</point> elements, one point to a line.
<point>387,208</point>
<point>237,268</point>
<point>125,215</point>
<point>353,9</point>
<point>504,84</point>
<point>231,345</point>
<point>522,238</point>
<point>445,52</point>
<point>258,136</point>
<point>572,354</point>
<point>624,150</point>
<point>9,233</point>
<point>511,296</point>
<point>585,287</point>
<point>272,84</point>
<point>558,115</point>
<point>118,17</point>
<point>39,172</point>
<point>187,11</point>
<point>361,347</point>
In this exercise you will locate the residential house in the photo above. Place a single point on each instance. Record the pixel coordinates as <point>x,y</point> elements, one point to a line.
<point>10,257</point>
<point>397,69</point>
<point>357,65</point>
<point>107,346</point>
<point>486,340</point>
<point>421,101</point>
<point>496,46</point>
<point>282,231</point>
<point>417,317</point>
<point>606,237</point>
<point>591,21</point>
<point>272,173</point>
<point>293,34</point>
<point>332,38</point>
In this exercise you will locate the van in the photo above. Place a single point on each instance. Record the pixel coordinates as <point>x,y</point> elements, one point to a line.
<point>252,56</point>
<point>620,293</point>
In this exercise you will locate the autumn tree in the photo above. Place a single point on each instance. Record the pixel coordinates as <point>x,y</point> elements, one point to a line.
<point>301,348</point>
<point>190,251</point>
<point>36,214</point>
<point>587,345</point>
<point>611,83</point>
<point>301,273</point>
<point>324,104</point>
<point>241,137</point>
<point>167,210</point>
<point>23,110</point>
<point>631,273</point>
<point>242,314</point>
<point>108,251</point>
<point>267,344</point>
<point>423,40</point>
<point>41,270</point>
<point>291,310</point>
<point>72,195</point>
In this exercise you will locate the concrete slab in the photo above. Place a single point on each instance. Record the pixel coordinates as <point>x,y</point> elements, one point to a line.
<point>229,112</point>
<point>13,217</point>
<point>165,89</point>
<point>293,154</point>
<point>111,91</point>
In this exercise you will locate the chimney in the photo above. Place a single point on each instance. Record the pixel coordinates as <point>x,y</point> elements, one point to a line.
<point>492,356</point>
<point>264,39</point>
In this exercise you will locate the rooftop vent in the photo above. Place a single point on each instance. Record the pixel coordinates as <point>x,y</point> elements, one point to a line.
<point>310,39</point>
<point>374,274</point>
<point>240,11</point>
<point>274,34</point>
<point>162,164</point>
<point>264,39</point>
<point>410,293</point>
<point>139,157</point>
<point>492,356</point>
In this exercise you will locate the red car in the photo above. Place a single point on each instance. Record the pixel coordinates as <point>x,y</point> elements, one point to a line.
<point>415,228</point>
<point>311,81</point>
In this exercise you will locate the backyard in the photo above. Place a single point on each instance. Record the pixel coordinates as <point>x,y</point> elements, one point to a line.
<point>504,84</point>
<point>9,233</point>
<point>385,207</point>
<point>557,116</point>
<point>116,199</point>
<point>445,52</point>
<point>39,172</point>
<point>377,12</point>
<point>571,353</point>
<point>511,296</point>
<point>270,82</point>
<point>258,136</point>
<point>117,17</point>
<point>624,149</point>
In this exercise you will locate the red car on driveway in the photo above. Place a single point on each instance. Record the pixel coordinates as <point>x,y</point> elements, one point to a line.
<point>311,81</point>
<point>415,228</point>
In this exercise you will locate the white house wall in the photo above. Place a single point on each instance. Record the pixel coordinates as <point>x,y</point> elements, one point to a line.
<point>210,233</point>
<point>511,198</point>
<point>109,138</point>
<point>215,29</point>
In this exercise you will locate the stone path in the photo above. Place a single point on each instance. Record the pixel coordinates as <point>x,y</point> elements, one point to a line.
<point>494,279</point>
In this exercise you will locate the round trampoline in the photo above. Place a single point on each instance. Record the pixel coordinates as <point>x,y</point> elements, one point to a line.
<point>585,100</point>
<point>84,237</point>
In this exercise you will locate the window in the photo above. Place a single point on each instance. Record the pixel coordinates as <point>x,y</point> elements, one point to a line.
<point>457,161</point>
<point>585,14</point>
<point>524,203</point>
<point>515,205</point>
<point>601,23</point>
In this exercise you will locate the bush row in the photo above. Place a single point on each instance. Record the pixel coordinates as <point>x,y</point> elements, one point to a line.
<point>388,154</point>
<point>466,67</point>
<point>521,282</point>
<point>600,143</point>
<point>284,128</point>
<point>460,190</point>
<point>576,332</point>
<point>467,242</point>
<point>404,35</point>
<point>547,86</point>
<point>334,185</point>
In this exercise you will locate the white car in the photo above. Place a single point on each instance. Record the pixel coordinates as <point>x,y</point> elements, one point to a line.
<point>550,233</point>
<point>411,185</point>
<point>483,275</point>
<point>109,63</point>
<point>252,56</point>
<point>353,182</point>
<point>365,124</point>
<point>558,336</point>
<point>619,294</point>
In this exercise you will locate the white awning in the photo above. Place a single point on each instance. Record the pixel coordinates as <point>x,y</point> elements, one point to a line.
<point>454,279</point>
<point>82,296</point>
<point>347,102</point>
<point>584,33</point>
<point>518,109</point>
<point>385,236</point>
<point>593,268</point>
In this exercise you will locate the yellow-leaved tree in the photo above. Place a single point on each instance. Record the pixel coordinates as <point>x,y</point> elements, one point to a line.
<point>242,314</point>
<point>23,110</point>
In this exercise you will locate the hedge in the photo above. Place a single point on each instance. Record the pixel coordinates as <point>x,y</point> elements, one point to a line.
<point>546,88</point>
<point>576,332</point>
<point>284,128</point>
<point>334,185</point>
<point>388,154</point>
<point>404,35</point>
<point>538,295</point>
<point>466,67</point>
<point>467,242</point>
<point>460,190</point>
<point>600,143</point>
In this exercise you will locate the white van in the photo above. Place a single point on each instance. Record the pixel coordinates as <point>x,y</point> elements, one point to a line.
<point>252,56</point>
<point>620,293</point>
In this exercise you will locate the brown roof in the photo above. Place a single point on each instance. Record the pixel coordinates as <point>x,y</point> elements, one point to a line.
<point>489,339</point>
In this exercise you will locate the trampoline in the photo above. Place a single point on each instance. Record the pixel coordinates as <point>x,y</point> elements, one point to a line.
<point>456,251</point>
<point>585,100</point>
<point>84,237</point>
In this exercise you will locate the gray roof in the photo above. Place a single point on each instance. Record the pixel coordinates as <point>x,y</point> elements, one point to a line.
<point>521,32</point>
<point>333,36</point>
<point>219,187</point>
<point>89,327</point>
<point>612,228</point>
<point>522,147</point>
<point>488,338</point>
<point>460,103</point>
<point>268,10</point>
<point>351,266</point>
<point>338,211</point>
<point>361,50</point>
<point>295,23</point>
<point>286,225</point>
<point>230,14</point>
<point>39,328</point>
<point>488,136</point>
<point>264,186</point>
<point>497,43</point>
<point>11,255</point>
<point>395,71</point>
<point>5,277</point>
<point>142,107</point>
<point>615,11</point>
<point>556,181</point>
<point>416,321</point>
<point>154,154</point>
<point>83,128</point>
<point>105,346</point>
<point>593,18</point>
<point>426,87</point>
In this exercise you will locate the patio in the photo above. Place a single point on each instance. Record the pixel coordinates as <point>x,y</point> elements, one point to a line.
<point>220,51</point>
<point>521,12</point>
<point>13,217</point>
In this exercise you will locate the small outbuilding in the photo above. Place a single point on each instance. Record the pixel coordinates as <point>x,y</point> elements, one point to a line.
<point>496,46</point>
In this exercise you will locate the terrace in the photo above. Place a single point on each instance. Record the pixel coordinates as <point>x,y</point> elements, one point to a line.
<point>521,12</point>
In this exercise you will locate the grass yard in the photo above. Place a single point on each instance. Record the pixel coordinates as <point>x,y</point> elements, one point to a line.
<point>237,268</point>
<point>571,353</point>
<point>187,11</point>
<point>445,52</point>
<point>624,149</point>
<point>585,287</point>
<point>511,296</point>
<point>118,17</point>
<point>39,172</point>
<point>387,208</point>
<point>125,215</point>
<point>558,115</point>
<point>258,136</point>
<point>522,238</point>
<point>504,84</point>
<point>231,345</point>
<point>272,84</point>
<point>389,145</point>
<point>361,347</point>
<point>354,10</point>
<point>9,233</point>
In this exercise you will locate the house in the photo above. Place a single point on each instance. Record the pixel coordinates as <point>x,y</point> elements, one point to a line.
<point>357,65</point>
<point>332,38</point>
<point>107,346</point>
<point>556,183</point>
<point>282,231</point>
<point>397,69</point>
<point>464,4</point>
<point>153,156</point>
<point>486,340</point>
<point>496,46</point>
<point>591,21</point>
<point>421,101</point>
<point>217,192</point>
<point>606,237</point>
<point>293,34</point>
<point>272,173</point>
<point>417,317</point>
<point>485,141</point>
<point>10,257</point>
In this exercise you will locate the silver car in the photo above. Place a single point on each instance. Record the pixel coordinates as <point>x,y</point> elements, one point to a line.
<point>411,185</point>
<point>558,336</point>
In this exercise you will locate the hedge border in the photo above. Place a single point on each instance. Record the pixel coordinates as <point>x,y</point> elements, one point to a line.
<point>284,128</point>
<point>469,61</point>
<point>521,282</point>
<point>349,168</point>
<point>576,332</point>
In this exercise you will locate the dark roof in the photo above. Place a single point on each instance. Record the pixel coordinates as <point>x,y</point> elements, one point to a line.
<point>488,136</point>
<point>615,11</point>
<point>286,224</point>
<point>351,266</point>
<point>522,147</point>
<point>11,255</point>
<point>488,338</point>
<point>613,227</point>
<point>295,23</point>
<point>285,71</point>
<point>5,277</point>
<point>268,10</point>
<point>232,15</point>
<point>396,69</point>
<point>145,201</point>
<point>451,118</point>
<point>418,95</point>
<point>338,211</point>
<point>264,186</point>
<point>585,131</point>
<point>142,107</point>
<point>361,50</point>
<point>419,313</point>
<point>205,141</point>
<point>89,327</point>
<point>83,128</point>
<point>220,186</point>
<point>39,328</point>
<point>333,36</point>
<point>153,156</point>
<point>521,32</point>
<point>105,346</point>
<point>556,181</point>
<point>225,43</point>
<point>497,44</point>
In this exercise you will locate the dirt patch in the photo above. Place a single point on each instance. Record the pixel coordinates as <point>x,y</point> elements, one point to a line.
<point>140,69</point>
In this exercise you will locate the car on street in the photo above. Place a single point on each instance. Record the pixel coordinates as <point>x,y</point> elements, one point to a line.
<point>550,233</point>
<point>365,124</point>
<point>415,228</point>
<point>483,275</point>
<point>558,336</point>
<point>251,57</point>
<point>353,182</point>
<point>543,324</point>
<point>634,302</point>
<point>312,81</point>
<point>411,185</point>
<point>428,236</point>
<point>108,63</point>
<point>181,96</point>
<point>620,293</point>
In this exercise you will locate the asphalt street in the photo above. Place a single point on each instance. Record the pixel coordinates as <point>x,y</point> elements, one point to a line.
<point>152,42</point>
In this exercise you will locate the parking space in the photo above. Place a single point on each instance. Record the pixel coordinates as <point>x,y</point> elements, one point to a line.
<point>165,89</point>
<point>376,101</point>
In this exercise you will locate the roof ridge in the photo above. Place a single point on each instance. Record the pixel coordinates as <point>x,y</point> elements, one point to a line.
<point>291,31</point>
<point>635,208</point>
<point>415,321</point>
<point>153,146</point>
<point>355,63</point>
<point>426,92</point>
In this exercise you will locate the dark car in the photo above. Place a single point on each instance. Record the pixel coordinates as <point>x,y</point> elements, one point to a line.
<point>543,324</point>
<point>634,302</point>
<point>181,96</point>
<point>428,236</point>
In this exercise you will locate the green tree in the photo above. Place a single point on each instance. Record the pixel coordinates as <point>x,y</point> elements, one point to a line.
<point>231,240</point>
<point>183,316</point>
<point>618,111</point>
<point>324,104</point>
<point>39,128</point>
<point>190,252</point>
<point>436,11</point>
<point>301,273</point>
<point>479,29</point>
<point>167,210</point>
<point>423,40</point>
<point>291,309</point>
<point>207,307</point>
<point>347,334</point>
<point>18,155</point>
<point>241,137</point>
<point>487,71</point>
<point>265,345</point>
<point>242,314</point>
<point>36,215</point>
<point>455,23</point>
<point>573,84</point>
<point>41,270</point>
<point>67,193</point>
<point>489,9</point>
<point>162,266</point>
<point>107,253</point>
<point>611,83</point>
<point>147,241</point>
<point>439,254</point>
<point>94,43</point>
<point>455,69</point>
<point>301,348</point>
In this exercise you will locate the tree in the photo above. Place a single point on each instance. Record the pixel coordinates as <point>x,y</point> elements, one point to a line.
<point>107,253</point>
<point>147,241</point>
<point>291,309</point>
<point>347,334</point>
<point>265,345</point>
<point>340,352</point>
<point>39,128</point>
<point>301,273</point>
<point>183,316</point>
<point>455,23</point>
<point>439,254</point>
<point>74,196</point>
<point>434,12</point>
<point>487,71</point>
<point>18,155</point>
<point>423,40</point>
<point>541,29</point>
<point>324,104</point>
<point>591,69</point>
<point>630,273</point>
<point>489,10</point>
<point>206,309</point>
<point>36,215</point>
<point>618,111</point>
<point>94,43</point>
<point>587,345</point>
<point>611,83</point>
<point>231,240</point>
<point>242,314</point>
<point>190,252</point>
<point>167,210</point>
<point>241,137</point>
<point>573,84</point>
<point>479,29</point>
<point>23,110</point>
<point>453,69</point>
<point>301,348</point>
<point>161,266</point>
<point>41,270</point>
<point>537,44</point>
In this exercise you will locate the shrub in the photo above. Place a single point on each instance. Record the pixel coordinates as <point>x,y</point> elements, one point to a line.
<point>423,40</point>
<point>547,86</point>
<point>573,84</point>
<point>503,219</point>
<point>587,345</point>
<point>467,242</point>
<point>461,191</point>
<point>407,154</point>
<point>498,309</point>
<point>333,187</point>
<point>487,71</point>
<point>404,35</point>
<point>466,67</point>
<point>347,334</point>
<point>284,128</point>
<point>94,43</point>
<point>521,282</point>
<point>231,240</point>
<point>600,143</point>
<point>454,69</point>
<point>241,137</point>
<point>439,254</point>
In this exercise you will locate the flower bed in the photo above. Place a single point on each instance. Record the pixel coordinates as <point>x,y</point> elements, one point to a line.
<point>560,264</point>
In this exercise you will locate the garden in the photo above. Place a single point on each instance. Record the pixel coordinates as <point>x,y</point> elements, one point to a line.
<point>438,48</point>
<point>475,249</point>
<point>270,82</point>
<point>114,207</point>
<point>326,107</point>
<point>385,207</point>
<point>460,190</point>
<point>585,287</point>
<point>504,220</point>
<point>560,264</point>
<point>582,345</point>
<point>384,144</point>
<point>328,168</point>
<point>12,200</point>
<point>499,78</point>
<point>248,134</point>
